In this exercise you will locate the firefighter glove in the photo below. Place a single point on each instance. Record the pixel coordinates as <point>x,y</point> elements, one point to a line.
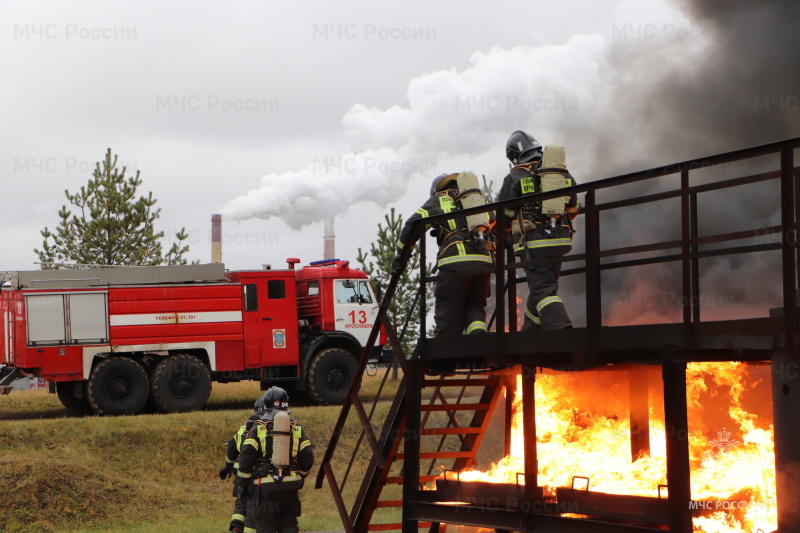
<point>226,471</point>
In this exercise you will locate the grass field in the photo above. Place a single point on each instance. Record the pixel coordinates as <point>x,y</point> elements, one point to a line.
<point>145,473</point>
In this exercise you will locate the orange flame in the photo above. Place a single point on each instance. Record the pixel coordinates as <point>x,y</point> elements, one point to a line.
<point>583,431</point>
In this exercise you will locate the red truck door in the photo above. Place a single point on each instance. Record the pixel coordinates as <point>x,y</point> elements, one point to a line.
<point>270,319</point>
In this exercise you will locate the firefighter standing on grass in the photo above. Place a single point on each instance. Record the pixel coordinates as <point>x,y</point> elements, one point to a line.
<point>460,301</point>
<point>537,234</point>
<point>239,522</point>
<point>271,487</point>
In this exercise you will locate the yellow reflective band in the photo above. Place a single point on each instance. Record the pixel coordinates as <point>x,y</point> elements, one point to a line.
<point>446,204</point>
<point>244,475</point>
<point>423,212</point>
<point>399,245</point>
<point>532,316</point>
<point>547,301</point>
<point>462,258</point>
<point>461,249</point>
<point>304,445</point>
<point>262,438</point>
<point>476,325</point>
<point>544,243</point>
<point>239,436</point>
<point>239,517</point>
<point>251,442</point>
<point>297,433</point>
<point>249,530</point>
<point>509,212</point>
<point>229,461</point>
<point>569,182</point>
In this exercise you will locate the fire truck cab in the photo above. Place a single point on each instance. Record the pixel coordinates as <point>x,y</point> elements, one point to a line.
<point>111,340</point>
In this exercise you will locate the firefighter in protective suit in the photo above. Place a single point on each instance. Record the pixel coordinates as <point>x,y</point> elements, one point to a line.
<point>460,301</point>
<point>240,523</point>
<point>272,492</point>
<point>538,235</point>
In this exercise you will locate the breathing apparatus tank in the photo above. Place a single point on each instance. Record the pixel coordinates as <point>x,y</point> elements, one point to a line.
<point>281,441</point>
<point>553,160</point>
<point>470,196</point>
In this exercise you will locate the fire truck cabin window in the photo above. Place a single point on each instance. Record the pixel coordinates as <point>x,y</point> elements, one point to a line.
<point>250,297</point>
<point>352,292</point>
<point>313,288</point>
<point>276,289</point>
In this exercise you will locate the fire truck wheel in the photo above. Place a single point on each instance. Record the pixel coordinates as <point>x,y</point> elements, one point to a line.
<point>117,386</point>
<point>75,406</point>
<point>180,383</point>
<point>329,376</point>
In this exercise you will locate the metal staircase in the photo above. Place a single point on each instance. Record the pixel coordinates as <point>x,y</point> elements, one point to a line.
<point>452,387</point>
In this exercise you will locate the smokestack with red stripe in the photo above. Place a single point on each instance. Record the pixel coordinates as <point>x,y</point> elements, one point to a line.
<point>216,238</point>
<point>329,238</point>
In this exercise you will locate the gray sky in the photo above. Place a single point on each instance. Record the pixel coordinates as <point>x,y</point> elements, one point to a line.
<point>293,112</point>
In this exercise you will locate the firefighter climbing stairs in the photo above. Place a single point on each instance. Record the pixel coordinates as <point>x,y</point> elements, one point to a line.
<point>451,387</point>
<point>455,409</point>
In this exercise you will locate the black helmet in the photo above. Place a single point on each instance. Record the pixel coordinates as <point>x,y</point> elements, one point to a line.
<point>276,398</point>
<point>441,181</point>
<point>523,148</point>
<point>261,404</point>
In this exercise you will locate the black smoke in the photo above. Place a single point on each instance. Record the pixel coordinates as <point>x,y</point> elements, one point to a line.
<point>730,82</point>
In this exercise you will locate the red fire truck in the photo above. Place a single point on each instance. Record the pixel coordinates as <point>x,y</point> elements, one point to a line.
<point>112,340</point>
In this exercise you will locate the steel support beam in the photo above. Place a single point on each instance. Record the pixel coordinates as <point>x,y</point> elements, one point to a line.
<point>411,443</point>
<point>786,413</point>
<point>677,429</point>
<point>639,412</point>
<point>529,428</point>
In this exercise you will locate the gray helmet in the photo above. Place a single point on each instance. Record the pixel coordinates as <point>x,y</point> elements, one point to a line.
<point>276,398</point>
<point>523,148</point>
<point>441,181</point>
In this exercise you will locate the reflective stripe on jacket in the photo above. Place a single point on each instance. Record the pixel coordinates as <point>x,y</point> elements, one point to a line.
<point>456,245</point>
<point>257,449</point>
<point>522,181</point>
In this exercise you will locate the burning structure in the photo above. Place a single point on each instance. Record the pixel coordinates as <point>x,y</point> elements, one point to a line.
<point>631,423</point>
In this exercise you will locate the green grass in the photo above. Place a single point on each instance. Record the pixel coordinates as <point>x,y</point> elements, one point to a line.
<point>156,472</point>
<point>144,473</point>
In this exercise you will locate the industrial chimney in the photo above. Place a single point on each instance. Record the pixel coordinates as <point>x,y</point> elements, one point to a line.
<point>329,238</point>
<point>216,238</point>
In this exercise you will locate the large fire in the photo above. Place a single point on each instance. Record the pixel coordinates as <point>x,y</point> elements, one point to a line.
<point>583,429</point>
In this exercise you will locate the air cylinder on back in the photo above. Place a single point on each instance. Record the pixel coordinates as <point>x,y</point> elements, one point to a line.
<point>471,197</point>
<point>281,440</point>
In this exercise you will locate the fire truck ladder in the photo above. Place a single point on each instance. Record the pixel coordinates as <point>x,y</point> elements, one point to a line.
<point>455,414</point>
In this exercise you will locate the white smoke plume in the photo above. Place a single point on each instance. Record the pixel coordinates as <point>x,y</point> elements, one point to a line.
<point>716,76</point>
<point>450,114</point>
<point>633,98</point>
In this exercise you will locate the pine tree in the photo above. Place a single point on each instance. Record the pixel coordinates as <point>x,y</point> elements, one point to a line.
<point>486,190</point>
<point>112,226</point>
<point>378,266</point>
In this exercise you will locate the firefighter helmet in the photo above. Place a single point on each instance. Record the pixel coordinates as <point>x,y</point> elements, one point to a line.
<point>260,405</point>
<point>276,398</point>
<point>441,181</point>
<point>523,148</point>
